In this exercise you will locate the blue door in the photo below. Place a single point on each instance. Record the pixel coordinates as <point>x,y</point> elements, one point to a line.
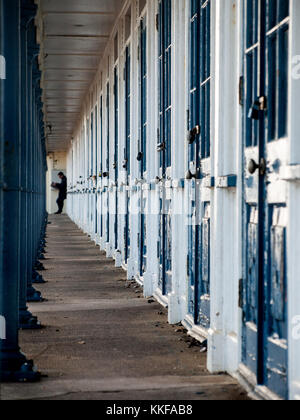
<point>199,168</point>
<point>126,163</point>
<point>95,173</point>
<point>100,196</point>
<point>265,101</point>
<point>116,151</point>
<point>88,174</point>
<point>142,144</point>
<point>106,174</point>
<point>164,146</point>
<point>92,191</point>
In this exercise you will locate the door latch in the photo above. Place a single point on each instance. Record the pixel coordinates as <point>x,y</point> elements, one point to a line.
<point>192,134</point>
<point>189,175</point>
<point>253,166</point>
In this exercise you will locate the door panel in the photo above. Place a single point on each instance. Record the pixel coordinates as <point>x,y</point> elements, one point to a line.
<point>116,151</point>
<point>199,164</point>
<point>126,163</point>
<point>100,195</point>
<point>164,146</point>
<point>95,175</point>
<point>143,145</point>
<point>265,153</point>
<point>107,162</point>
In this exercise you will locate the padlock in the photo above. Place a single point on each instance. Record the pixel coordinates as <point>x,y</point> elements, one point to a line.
<point>254,112</point>
<point>192,134</point>
<point>161,147</point>
<point>257,109</point>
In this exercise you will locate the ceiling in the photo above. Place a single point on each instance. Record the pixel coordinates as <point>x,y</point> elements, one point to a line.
<point>73,36</point>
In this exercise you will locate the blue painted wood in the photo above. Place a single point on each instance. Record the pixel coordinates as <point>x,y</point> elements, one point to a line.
<point>107,158</point>
<point>143,143</point>
<point>92,196</point>
<point>265,288</point>
<point>127,164</point>
<point>116,149</point>
<point>143,92</point>
<point>96,171</point>
<point>13,364</point>
<point>127,71</point>
<point>101,164</point>
<point>165,112</point>
<point>199,116</point>
<point>26,320</point>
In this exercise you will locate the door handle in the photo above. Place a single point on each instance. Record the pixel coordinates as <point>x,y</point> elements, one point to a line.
<point>253,166</point>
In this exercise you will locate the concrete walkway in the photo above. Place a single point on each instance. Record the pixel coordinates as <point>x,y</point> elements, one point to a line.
<point>103,340</point>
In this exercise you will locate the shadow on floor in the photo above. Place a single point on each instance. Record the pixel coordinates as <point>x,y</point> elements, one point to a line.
<point>103,340</point>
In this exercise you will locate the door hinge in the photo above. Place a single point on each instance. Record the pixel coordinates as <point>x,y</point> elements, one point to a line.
<point>157,22</point>
<point>241,293</point>
<point>188,265</point>
<point>241,91</point>
<point>187,119</point>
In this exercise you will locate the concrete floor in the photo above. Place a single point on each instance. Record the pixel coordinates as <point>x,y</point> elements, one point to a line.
<point>102,340</point>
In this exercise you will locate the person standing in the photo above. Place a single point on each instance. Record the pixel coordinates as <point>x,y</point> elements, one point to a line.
<point>62,187</point>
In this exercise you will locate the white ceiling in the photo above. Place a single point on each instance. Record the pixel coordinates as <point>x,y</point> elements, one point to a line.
<point>73,36</point>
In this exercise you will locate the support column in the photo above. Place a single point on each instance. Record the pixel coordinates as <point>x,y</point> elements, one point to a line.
<point>13,364</point>
<point>33,50</point>
<point>26,319</point>
<point>224,334</point>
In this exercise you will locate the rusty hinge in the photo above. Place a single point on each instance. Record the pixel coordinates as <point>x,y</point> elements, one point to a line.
<point>241,293</point>
<point>188,265</point>
<point>241,91</point>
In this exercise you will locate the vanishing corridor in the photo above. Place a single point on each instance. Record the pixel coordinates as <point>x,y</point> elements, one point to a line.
<point>102,339</point>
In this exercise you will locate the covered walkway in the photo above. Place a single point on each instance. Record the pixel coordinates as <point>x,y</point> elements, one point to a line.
<point>103,339</point>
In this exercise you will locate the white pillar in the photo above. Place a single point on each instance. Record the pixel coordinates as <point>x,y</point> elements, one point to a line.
<point>293,240</point>
<point>224,339</point>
